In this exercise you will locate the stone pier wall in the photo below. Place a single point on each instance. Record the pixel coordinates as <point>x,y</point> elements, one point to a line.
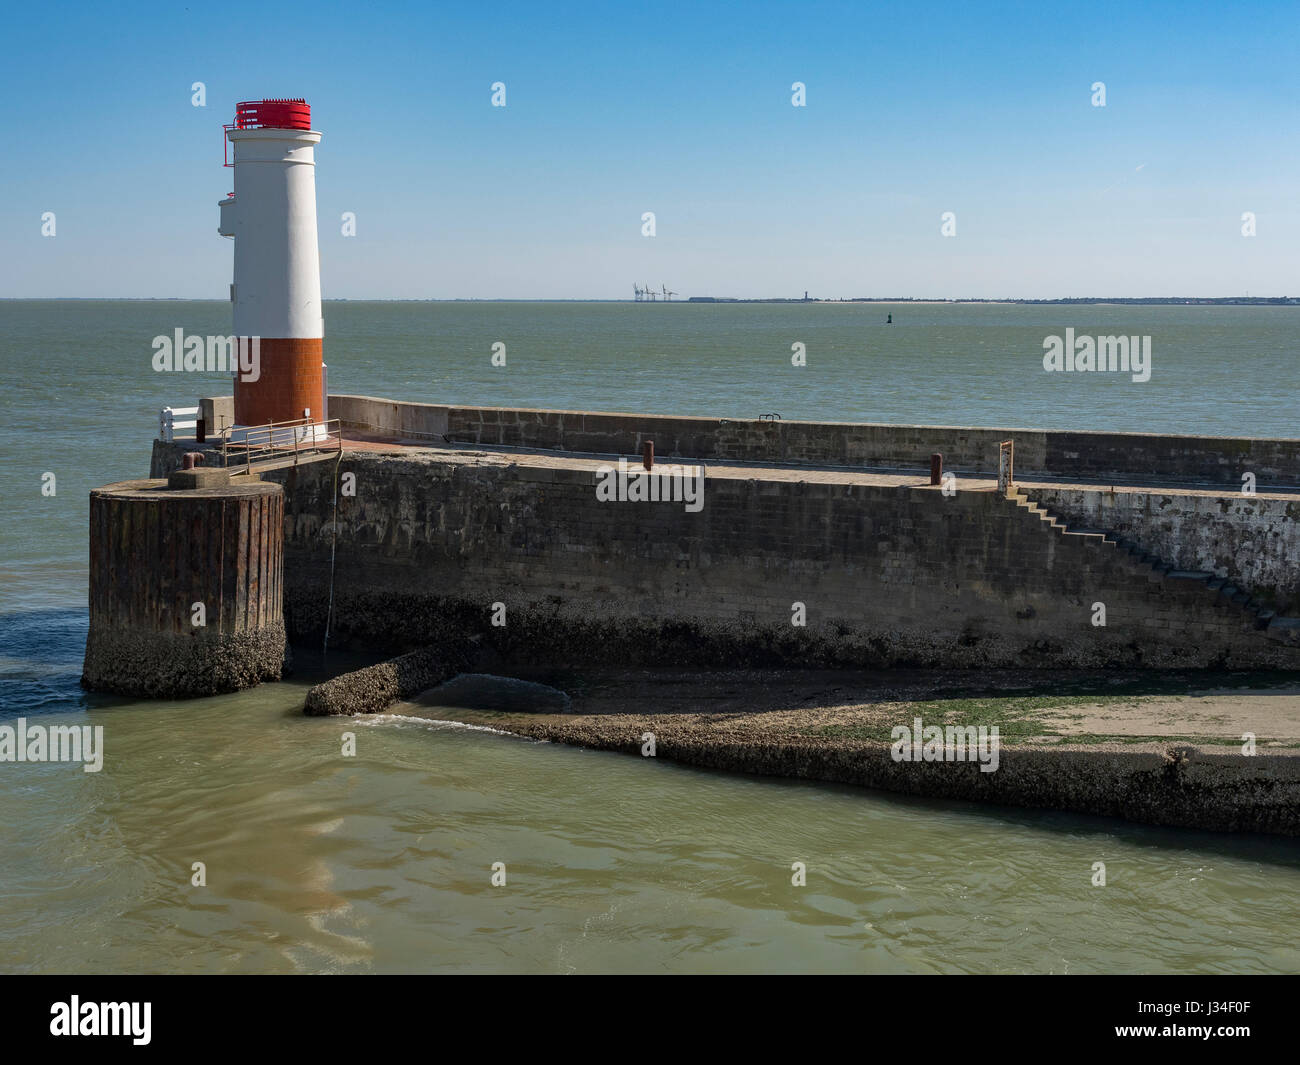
<point>886,576</point>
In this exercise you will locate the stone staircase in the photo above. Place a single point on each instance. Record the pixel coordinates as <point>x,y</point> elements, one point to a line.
<point>1228,595</point>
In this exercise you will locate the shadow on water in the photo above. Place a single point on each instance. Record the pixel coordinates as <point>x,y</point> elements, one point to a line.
<point>44,636</point>
<point>40,662</point>
<point>41,654</point>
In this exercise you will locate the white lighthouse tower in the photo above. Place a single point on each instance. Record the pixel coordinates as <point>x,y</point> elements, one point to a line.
<point>276,289</point>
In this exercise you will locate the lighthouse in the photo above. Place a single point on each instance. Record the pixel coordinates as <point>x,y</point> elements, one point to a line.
<point>276,288</point>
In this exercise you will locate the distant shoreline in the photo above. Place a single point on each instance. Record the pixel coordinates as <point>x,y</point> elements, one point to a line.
<point>1092,301</point>
<point>1089,301</point>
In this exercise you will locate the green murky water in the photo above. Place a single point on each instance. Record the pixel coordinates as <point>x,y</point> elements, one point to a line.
<point>383,861</point>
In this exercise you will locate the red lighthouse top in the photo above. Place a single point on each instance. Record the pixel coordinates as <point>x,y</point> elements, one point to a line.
<point>273,114</point>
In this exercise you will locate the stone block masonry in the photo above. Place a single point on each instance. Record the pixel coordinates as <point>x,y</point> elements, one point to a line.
<point>889,575</point>
<point>1252,541</point>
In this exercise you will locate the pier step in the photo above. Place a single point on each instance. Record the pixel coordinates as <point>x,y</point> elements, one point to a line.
<point>1226,595</point>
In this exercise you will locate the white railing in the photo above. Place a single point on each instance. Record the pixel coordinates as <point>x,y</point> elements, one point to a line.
<point>167,423</point>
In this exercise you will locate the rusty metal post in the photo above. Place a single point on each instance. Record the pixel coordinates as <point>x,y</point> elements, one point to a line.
<point>200,430</point>
<point>936,468</point>
<point>648,453</point>
<point>1006,459</point>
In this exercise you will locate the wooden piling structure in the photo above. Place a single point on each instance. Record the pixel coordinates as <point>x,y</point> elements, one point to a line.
<point>185,588</point>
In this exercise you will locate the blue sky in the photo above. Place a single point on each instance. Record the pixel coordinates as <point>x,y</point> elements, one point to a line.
<point>912,110</point>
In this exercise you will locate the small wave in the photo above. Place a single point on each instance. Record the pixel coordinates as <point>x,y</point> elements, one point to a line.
<point>432,722</point>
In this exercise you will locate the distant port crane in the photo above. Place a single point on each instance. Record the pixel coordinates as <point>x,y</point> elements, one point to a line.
<point>648,294</point>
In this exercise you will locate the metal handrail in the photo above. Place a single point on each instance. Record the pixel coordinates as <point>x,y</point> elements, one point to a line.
<point>261,441</point>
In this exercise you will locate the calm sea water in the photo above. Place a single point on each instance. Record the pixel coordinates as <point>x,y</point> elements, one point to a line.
<point>382,862</point>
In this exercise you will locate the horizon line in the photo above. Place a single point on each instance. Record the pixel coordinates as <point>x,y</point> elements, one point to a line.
<point>692,299</point>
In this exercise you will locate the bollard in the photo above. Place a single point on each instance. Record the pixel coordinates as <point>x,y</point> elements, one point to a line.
<point>648,453</point>
<point>936,468</point>
<point>191,459</point>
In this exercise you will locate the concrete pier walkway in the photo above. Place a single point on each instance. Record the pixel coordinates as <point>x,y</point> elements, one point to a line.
<point>785,472</point>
